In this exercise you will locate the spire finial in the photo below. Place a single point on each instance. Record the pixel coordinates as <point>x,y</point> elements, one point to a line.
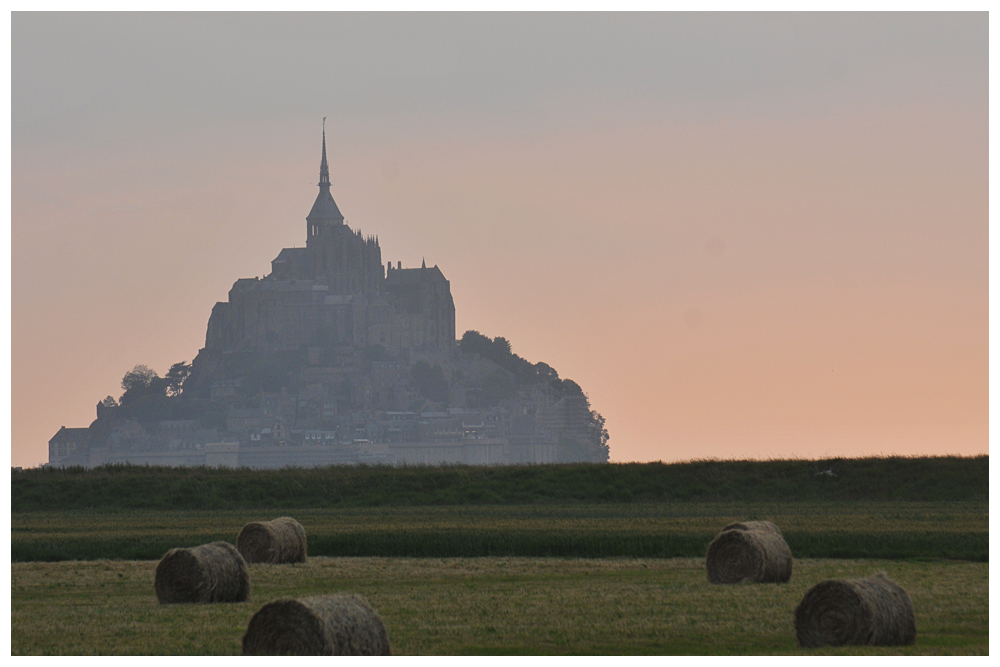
<point>324,169</point>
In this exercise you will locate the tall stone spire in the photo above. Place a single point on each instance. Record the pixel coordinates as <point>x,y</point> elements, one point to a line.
<point>324,211</point>
<point>324,168</point>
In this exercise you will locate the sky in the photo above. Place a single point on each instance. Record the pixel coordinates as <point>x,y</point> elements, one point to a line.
<point>744,235</point>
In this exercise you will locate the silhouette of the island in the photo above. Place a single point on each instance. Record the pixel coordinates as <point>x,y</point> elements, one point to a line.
<point>334,359</point>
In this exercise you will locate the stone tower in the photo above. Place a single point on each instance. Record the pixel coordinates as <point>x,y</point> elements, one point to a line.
<point>343,260</point>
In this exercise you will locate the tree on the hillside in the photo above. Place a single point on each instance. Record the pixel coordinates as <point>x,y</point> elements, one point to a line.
<point>175,378</point>
<point>600,436</point>
<point>545,372</point>
<point>501,347</point>
<point>498,351</point>
<point>109,402</point>
<point>140,382</point>
<point>501,385</point>
<point>139,378</point>
<point>473,342</point>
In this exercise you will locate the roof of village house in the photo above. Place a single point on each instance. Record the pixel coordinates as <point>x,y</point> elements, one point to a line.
<point>290,254</point>
<point>69,434</point>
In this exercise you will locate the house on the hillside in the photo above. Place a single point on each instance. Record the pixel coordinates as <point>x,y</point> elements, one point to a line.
<point>66,442</point>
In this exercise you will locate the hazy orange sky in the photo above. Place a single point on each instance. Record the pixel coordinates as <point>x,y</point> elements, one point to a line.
<point>744,235</point>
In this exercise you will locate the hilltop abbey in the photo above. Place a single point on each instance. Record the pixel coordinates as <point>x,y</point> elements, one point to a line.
<point>335,357</point>
<point>335,292</point>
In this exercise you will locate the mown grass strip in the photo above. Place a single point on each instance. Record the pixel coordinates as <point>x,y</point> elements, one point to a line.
<point>454,544</point>
<point>846,530</point>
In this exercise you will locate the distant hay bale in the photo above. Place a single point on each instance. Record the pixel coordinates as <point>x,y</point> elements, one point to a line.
<point>323,625</point>
<point>282,540</point>
<point>874,611</point>
<point>753,551</point>
<point>213,572</point>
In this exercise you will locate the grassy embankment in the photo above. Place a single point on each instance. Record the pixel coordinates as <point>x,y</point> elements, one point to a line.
<point>872,508</point>
<point>491,606</point>
<point>923,479</point>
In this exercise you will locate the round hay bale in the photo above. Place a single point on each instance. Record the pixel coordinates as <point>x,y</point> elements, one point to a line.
<point>322,625</point>
<point>874,611</point>
<point>282,540</point>
<point>752,551</point>
<point>767,526</point>
<point>213,572</point>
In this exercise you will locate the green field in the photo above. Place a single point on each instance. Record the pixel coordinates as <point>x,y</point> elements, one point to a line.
<point>899,530</point>
<point>491,606</point>
<point>558,559</point>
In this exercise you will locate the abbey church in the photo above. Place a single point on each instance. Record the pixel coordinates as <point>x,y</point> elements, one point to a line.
<point>335,291</point>
<point>337,358</point>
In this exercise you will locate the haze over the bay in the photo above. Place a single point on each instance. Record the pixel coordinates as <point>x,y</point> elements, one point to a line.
<point>744,235</point>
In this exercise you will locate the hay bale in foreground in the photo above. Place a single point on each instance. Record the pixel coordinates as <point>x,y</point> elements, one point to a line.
<point>874,611</point>
<point>753,551</point>
<point>323,625</point>
<point>213,572</point>
<point>282,540</point>
<point>767,526</point>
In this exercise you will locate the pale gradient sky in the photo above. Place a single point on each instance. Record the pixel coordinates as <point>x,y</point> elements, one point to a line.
<point>745,235</point>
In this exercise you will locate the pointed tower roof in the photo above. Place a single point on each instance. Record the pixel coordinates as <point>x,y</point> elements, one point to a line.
<point>325,209</point>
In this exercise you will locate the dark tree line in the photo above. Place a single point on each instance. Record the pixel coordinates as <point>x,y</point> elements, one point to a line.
<point>498,351</point>
<point>499,386</point>
<point>143,382</point>
<point>146,395</point>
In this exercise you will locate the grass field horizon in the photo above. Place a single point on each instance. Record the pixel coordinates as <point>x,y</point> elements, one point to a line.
<point>543,560</point>
<point>891,507</point>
